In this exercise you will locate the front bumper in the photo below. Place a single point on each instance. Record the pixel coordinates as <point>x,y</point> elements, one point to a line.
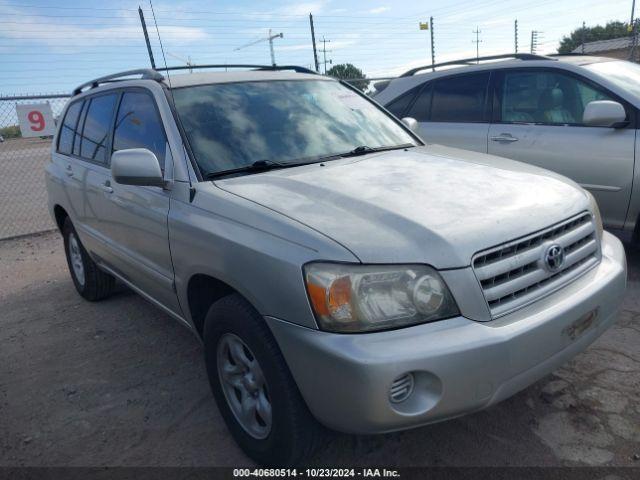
<point>459,365</point>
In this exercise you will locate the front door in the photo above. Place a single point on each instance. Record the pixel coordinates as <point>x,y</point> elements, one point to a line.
<point>132,220</point>
<point>538,120</point>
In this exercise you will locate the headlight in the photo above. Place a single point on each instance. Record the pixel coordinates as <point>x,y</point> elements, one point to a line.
<point>597,218</point>
<point>359,298</point>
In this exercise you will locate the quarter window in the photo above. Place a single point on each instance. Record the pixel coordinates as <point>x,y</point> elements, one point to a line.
<point>69,127</point>
<point>96,128</point>
<point>399,106</point>
<point>422,105</point>
<point>138,125</point>
<point>545,97</point>
<point>460,99</point>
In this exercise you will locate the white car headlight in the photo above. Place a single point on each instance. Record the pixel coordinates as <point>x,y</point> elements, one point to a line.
<point>360,298</point>
<point>597,218</point>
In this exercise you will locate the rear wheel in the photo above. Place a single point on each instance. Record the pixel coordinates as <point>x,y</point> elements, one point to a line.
<point>90,282</point>
<point>253,387</point>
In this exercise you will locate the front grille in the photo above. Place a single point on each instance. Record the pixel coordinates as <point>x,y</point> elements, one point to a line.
<point>515,274</point>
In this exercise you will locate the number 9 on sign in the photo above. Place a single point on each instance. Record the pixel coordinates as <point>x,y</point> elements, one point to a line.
<point>36,120</point>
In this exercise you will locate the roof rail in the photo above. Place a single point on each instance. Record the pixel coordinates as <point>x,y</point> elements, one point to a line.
<point>146,73</point>
<point>295,68</point>
<point>474,60</point>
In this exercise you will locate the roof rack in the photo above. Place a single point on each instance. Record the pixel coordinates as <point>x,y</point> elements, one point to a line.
<point>146,73</point>
<point>154,74</point>
<point>475,60</point>
<point>295,68</point>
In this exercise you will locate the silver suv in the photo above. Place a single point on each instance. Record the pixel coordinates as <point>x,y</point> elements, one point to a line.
<point>337,270</point>
<point>576,115</point>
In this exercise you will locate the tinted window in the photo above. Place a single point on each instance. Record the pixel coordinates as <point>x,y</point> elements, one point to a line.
<point>96,128</point>
<point>230,125</point>
<point>420,109</point>
<point>78,138</point>
<point>139,126</point>
<point>545,97</point>
<point>68,128</point>
<point>399,106</point>
<point>460,99</point>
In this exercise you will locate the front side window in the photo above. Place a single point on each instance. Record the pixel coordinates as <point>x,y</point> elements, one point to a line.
<point>138,125</point>
<point>96,128</point>
<point>233,125</point>
<point>545,97</point>
<point>68,128</point>
<point>460,99</point>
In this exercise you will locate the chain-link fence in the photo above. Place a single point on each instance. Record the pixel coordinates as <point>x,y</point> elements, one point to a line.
<point>23,196</point>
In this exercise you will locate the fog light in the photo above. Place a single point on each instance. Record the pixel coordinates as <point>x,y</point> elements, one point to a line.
<point>401,388</point>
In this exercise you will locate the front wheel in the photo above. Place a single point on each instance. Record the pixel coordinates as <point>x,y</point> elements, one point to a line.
<point>253,387</point>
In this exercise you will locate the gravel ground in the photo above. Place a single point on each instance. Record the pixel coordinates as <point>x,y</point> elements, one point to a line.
<point>119,383</point>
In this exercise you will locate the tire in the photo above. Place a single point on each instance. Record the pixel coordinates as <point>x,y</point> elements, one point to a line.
<point>293,433</point>
<point>91,283</point>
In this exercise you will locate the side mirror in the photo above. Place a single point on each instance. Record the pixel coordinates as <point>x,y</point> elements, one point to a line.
<point>411,124</point>
<point>136,166</point>
<point>604,113</point>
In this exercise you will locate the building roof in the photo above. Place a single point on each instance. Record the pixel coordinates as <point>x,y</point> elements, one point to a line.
<point>605,45</point>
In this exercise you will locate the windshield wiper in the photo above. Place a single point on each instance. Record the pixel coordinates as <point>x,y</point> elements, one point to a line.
<point>255,167</point>
<point>364,149</point>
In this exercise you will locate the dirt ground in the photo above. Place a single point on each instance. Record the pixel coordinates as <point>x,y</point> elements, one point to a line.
<point>119,383</point>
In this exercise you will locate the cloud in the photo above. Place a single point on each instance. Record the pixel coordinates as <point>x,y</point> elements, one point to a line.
<point>60,37</point>
<point>378,10</point>
<point>303,8</point>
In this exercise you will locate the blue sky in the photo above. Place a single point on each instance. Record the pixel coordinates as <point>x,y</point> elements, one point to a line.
<point>52,46</point>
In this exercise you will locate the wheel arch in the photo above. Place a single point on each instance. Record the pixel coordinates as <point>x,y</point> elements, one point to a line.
<point>60,215</point>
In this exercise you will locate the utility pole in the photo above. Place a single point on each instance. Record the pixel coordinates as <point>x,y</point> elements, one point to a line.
<point>146,38</point>
<point>633,9</point>
<point>534,40</point>
<point>516,33</point>
<point>584,29</point>
<point>477,41</point>
<point>324,54</point>
<point>433,50</point>
<point>313,42</point>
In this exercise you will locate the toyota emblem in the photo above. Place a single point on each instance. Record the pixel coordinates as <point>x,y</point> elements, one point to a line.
<point>554,257</point>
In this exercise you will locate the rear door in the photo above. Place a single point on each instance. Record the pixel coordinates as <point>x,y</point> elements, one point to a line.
<point>454,111</point>
<point>538,120</point>
<point>132,220</point>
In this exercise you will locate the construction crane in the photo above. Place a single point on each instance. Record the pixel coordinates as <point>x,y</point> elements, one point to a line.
<point>185,60</point>
<point>269,39</point>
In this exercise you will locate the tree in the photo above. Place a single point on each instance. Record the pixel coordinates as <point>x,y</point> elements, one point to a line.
<point>591,34</point>
<point>346,71</point>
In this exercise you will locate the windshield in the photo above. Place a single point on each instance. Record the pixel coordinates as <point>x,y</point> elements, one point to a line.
<point>236,124</point>
<point>625,75</point>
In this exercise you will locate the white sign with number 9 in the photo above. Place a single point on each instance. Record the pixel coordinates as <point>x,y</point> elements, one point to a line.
<point>36,120</point>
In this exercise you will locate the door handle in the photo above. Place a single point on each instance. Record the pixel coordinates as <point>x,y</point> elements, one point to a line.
<point>106,187</point>
<point>69,171</point>
<point>504,137</point>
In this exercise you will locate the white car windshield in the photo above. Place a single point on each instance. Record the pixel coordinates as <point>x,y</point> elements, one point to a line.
<point>233,125</point>
<point>626,75</point>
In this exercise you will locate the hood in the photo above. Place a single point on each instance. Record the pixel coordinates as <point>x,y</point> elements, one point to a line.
<point>433,204</point>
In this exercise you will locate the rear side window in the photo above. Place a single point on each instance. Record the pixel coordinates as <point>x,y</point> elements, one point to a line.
<point>138,125</point>
<point>69,127</point>
<point>460,99</point>
<point>96,128</point>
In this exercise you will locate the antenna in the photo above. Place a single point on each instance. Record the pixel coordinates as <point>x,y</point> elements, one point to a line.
<point>192,189</point>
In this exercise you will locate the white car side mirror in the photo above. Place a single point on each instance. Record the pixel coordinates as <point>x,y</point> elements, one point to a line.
<point>136,166</point>
<point>411,124</point>
<point>603,113</point>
